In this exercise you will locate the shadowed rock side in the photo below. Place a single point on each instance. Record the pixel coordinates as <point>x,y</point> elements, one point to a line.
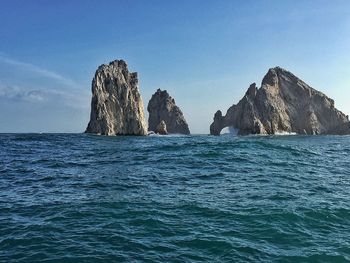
<point>162,107</point>
<point>284,103</point>
<point>116,105</point>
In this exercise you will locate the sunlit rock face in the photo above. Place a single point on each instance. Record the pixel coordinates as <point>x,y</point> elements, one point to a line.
<point>162,107</point>
<point>116,105</point>
<point>283,104</point>
<point>161,128</point>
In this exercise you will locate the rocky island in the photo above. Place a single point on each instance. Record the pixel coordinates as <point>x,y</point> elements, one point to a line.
<point>163,112</point>
<point>116,105</point>
<point>283,103</point>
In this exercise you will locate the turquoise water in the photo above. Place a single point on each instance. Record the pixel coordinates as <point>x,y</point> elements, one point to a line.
<point>84,198</point>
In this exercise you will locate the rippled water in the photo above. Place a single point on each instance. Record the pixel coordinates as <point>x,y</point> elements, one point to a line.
<point>84,198</point>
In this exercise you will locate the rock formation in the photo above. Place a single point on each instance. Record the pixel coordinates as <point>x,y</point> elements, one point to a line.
<point>116,105</point>
<point>283,103</point>
<point>161,128</point>
<point>162,107</point>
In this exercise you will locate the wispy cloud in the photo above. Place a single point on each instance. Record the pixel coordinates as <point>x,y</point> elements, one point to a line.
<point>13,93</point>
<point>59,90</point>
<point>41,71</point>
<point>48,97</point>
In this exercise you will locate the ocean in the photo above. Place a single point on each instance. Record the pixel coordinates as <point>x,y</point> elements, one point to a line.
<point>86,198</point>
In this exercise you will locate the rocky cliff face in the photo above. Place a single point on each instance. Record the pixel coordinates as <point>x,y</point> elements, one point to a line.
<point>162,107</point>
<point>284,103</point>
<point>116,105</point>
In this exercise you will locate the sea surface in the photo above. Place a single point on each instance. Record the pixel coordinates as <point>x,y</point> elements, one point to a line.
<point>86,198</point>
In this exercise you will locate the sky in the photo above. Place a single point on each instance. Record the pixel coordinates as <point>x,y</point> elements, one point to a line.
<point>204,53</point>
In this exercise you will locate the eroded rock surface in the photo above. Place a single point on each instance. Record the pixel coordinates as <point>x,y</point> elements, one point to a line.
<point>283,103</point>
<point>162,107</point>
<point>116,105</point>
<point>161,128</point>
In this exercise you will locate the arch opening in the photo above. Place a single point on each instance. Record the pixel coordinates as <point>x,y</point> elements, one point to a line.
<point>229,130</point>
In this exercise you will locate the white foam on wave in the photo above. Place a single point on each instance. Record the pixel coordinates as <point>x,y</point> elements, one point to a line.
<point>153,134</point>
<point>282,133</point>
<point>176,135</point>
<point>229,131</point>
<point>232,131</point>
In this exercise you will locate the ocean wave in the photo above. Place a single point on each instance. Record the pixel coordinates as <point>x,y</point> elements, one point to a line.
<point>190,198</point>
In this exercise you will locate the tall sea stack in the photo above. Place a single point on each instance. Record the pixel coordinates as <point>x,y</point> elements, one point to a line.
<point>284,103</point>
<point>116,105</point>
<point>162,107</point>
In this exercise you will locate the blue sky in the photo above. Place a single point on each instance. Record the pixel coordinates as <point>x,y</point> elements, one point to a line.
<point>205,53</point>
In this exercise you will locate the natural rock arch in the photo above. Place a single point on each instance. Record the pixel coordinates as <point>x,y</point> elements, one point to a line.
<point>284,103</point>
